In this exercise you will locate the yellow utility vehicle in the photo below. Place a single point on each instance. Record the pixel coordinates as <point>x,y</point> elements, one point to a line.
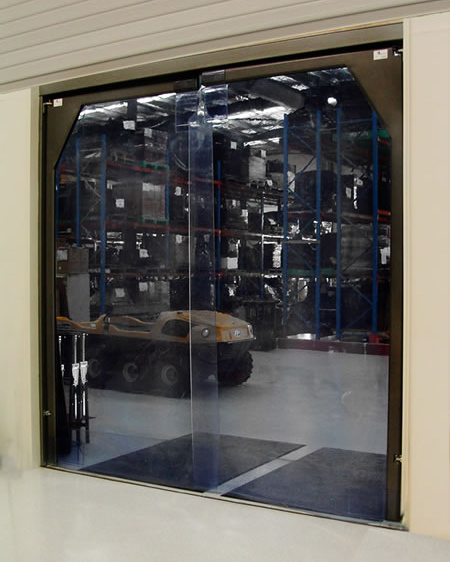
<point>166,354</point>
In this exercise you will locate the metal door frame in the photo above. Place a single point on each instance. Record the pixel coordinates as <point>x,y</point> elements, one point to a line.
<point>57,123</point>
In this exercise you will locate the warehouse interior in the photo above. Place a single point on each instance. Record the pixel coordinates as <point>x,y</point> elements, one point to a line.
<point>222,292</point>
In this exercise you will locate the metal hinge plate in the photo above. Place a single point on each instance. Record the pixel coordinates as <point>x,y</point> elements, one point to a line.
<point>57,102</point>
<point>213,78</point>
<point>188,85</point>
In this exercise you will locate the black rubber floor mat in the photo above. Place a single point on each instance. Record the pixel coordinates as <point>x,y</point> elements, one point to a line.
<point>335,481</point>
<point>210,461</point>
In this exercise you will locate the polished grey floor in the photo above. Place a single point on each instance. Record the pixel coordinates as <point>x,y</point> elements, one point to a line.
<point>54,516</point>
<point>318,399</point>
<point>314,399</point>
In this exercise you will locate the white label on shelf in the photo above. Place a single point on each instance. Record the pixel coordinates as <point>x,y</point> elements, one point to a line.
<point>178,238</point>
<point>263,153</point>
<point>385,255</point>
<point>229,263</point>
<point>120,293</point>
<point>233,145</point>
<point>62,255</point>
<point>58,102</point>
<point>129,125</point>
<point>348,192</point>
<point>178,190</point>
<point>148,133</point>
<point>120,203</point>
<point>380,54</point>
<point>143,253</point>
<point>143,287</point>
<point>109,184</point>
<point>146,186</point>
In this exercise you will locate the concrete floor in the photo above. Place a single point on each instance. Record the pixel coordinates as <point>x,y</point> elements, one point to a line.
<point>53,516</point>
<point>319,399</point>
<point>308,398</point>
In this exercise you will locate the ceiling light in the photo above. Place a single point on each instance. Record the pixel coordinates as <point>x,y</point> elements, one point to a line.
<point>275,112</point>
<point>102,109</point>
<point>299,87</point>
<point>150,99</point>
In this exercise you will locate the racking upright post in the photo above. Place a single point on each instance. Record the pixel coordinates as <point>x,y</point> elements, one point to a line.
<point>219,234</point>
<point>374,328</point>
<point>338,224</point>
<point>103,225</point>
<point>261,271</point>
<point>285,217</point>
<point>77,193</point>
<point>167,210</point>
<point>318,222</point>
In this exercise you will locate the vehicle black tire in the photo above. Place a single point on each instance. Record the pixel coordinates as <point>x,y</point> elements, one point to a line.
<point>130,372</point>
<point>96,372</point>
<point>171,378</point>
<point>265,341</point>
<point>240,374</point>
<point>130,376</point>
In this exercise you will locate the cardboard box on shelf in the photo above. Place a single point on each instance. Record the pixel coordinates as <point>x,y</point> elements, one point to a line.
<point>153,201</point>
<point>71,259</point>
<point>229,263</point>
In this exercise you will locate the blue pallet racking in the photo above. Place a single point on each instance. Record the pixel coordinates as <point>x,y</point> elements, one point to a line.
<point>316,273</point>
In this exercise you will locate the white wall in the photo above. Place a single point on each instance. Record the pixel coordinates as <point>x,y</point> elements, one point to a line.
<point>427,482</point>
<point>19,395</point>
<point>427,268</point>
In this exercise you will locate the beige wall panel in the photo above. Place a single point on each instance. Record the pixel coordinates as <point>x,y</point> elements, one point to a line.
<point>19,398</point>
<point>73,14</point>
<point>38,38</point>
<point>12,10</point>
<point>427,274</point>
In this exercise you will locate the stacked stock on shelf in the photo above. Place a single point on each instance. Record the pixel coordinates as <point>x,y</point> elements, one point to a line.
<point>301,219</point>
<point>307,239</point>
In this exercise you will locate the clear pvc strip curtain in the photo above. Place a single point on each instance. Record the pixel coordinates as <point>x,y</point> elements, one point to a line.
<point>207,105</point>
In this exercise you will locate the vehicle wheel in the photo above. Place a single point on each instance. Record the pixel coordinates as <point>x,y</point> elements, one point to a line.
<point>265,342</point>
<point>96,372</point>
<point>130,376</point>
<point>130,372</point>
<point>239,374</point>
<point>171,378</point>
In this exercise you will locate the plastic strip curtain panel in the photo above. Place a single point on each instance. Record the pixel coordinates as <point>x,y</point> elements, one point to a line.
<point>208,105</point>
